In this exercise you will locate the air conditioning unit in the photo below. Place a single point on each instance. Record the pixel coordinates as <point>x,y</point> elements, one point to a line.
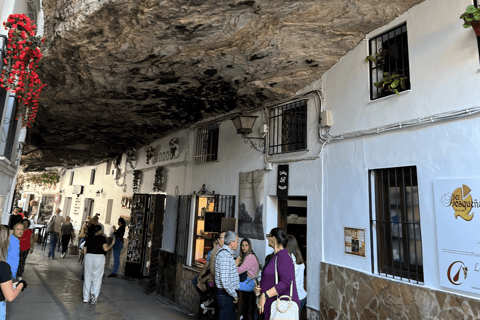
<point>77,190</point>
<point>116,174</point>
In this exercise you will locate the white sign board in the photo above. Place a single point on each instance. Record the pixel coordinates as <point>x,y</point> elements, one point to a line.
<point>457,210</point>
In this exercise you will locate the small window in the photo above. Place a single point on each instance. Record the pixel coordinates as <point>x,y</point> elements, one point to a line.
<point>109,168</point>
<point>391,52</point>
<point>92,176</point>
<point>288,128</point>
<point>207,144</point>
<point>397,223</point>
<point>71,178</point>
<point>108,215</point>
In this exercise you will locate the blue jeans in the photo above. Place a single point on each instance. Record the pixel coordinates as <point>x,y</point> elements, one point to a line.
<point>117,249</point>
<point>302,304</point>
<point>228,310</point>
<point>3,310</point>
<point>53,243</point>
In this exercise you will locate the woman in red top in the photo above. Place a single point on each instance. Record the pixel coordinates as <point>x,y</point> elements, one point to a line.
<point>26,245</point>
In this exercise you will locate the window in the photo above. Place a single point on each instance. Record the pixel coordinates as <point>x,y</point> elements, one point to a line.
<point>109,168</point>
<point>397,223</point>
<point>391,50</point>
<point>92,176</point>
<point>183,224</point>
<point>108,216</point>
<point>288,128</point>
<point>207,144</point>
<point>71,178</point>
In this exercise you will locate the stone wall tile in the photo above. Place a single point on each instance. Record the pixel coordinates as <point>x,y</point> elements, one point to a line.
<point>332,314</point>
<point>394,289</point>
<point>339,280</point>
<point>394,304</point>
<point>313,314</point>
<point>441,296</point>
<point>378,284</point>
<point>368,315</point>
<point>454,301</point>
<point>352,311</point>
<point>427,304</point>
<point>413,312</point>
<point>365,297</point>
<point>330,274</point>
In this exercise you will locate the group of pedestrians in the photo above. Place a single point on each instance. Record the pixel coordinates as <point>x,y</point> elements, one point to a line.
<point>228,282</point>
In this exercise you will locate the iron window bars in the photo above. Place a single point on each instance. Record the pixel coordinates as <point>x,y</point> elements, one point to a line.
<point>288,128</point>
<point>207,144</point>
<point>392,48</point>
<point>396,223</point>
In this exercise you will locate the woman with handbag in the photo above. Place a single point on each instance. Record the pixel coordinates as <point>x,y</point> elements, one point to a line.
<point>296,254</point>
<point>247,267</point>
<point>278,297</point>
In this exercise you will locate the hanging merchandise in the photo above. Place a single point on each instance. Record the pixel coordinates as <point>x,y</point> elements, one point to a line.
<point>158,183</point>
<point>150,153</point>
<point>131,158</point>
<point>136,181</point>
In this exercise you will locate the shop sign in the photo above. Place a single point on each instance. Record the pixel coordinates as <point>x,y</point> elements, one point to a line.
<point>282,181</point>
<point>355,241</point>
<point>457,211</point>
<point>57,198</point>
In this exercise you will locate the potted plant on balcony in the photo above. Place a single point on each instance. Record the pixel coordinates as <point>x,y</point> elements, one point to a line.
<point>471,18</point>
<point>391,83</point>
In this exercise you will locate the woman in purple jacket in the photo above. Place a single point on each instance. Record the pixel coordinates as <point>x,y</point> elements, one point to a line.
<point>277,239</point>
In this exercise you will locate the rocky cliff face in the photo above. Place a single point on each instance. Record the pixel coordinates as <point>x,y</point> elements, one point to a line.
<point>122,73</point>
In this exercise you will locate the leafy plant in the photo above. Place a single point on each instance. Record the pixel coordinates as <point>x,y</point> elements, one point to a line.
<point>136,180</point>
<point>378,58</point>
<point>150,153</point>
<point>47,178</point>
<point>131,157</point>
<point>391,82</point>
<point>471,14</point>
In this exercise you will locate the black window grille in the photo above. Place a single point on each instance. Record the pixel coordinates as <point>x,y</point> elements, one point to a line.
<point>391,52</point>
<point>397,223</point>
<point>226,205</point>
<point>183,223</point>
<point>207,144</point>
<point>92,176</point>
<point>288,128</point>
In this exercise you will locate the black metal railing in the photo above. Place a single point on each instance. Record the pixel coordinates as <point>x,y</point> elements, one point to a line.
<point>397,223</point>
<point>207,144</point>
<point>225,204</point>
<point>392,46</point>
<point>183,224</point>
<point>288,128</point>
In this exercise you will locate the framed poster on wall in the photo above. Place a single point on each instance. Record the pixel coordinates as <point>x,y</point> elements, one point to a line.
<point>355,241</point>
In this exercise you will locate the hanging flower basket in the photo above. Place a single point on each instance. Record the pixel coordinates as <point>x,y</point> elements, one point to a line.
<point>471,18</point>
<point>21,62</point>
<point>476,27</point>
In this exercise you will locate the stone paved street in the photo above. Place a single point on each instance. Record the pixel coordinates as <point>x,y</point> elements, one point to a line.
<point>55,292</point>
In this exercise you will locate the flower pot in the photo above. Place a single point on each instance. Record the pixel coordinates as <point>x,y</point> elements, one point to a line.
<point>476,27</point>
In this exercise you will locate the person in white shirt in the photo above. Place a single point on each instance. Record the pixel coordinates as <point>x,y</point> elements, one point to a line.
<point>57,228</point>
<point>294,251</point>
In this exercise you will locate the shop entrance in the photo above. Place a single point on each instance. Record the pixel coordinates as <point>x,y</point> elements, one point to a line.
<point>293,219</point>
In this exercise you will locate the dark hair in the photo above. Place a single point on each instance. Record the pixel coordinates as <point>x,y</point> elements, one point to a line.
<point>26,220</point>
<point>243,255</point>
<point>292,248</point>
<point>14,220</point>
<point>98,228</point>
<point>20,210</point>
<point>122,221</point>
<point>280,235</point>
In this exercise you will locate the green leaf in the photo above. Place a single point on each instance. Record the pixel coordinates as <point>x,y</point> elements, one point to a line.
<point>471,9</point>
<point>385,74</point>
<point>469,19</point>
<point>476,16</point>
<point>466,25</point>
<point>395,83</point>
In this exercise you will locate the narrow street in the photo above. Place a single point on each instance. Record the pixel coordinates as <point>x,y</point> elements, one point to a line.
<point>55,292</point>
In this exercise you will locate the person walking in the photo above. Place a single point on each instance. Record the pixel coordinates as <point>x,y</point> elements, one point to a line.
<point>94,262</point>
<point>7,292</point>
<point>299,263</point>
<point>282,264</point>
<point>15,218</point>
<point>57,221</point>
<point>13,255</point>
<point>226,278</point>
<point>117,248</point>
<point>26,247</point>
<point>66,234</point>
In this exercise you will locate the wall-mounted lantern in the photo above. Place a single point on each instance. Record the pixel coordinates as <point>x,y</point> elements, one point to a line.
<point>244,125</point>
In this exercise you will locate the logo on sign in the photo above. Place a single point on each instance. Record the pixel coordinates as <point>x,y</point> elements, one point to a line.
<point>461,201</point>
<point>457,272</point>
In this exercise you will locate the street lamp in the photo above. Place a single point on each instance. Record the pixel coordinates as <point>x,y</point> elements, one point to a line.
<point>244,125</point>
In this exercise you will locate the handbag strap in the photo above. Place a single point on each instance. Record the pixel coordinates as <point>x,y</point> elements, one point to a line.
<point>276,280</point>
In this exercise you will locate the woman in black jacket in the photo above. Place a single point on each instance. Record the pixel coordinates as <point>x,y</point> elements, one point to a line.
<point>117,248</point>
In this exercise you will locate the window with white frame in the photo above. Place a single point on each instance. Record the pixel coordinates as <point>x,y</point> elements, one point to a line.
<point>288,128</point>
<point>92,176</point>
<point>207,144</point>
<point>396,223</point>
<point>390,65</point>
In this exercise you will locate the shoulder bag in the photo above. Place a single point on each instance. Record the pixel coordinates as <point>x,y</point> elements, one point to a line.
<point>284,309</point>
<point>51,224</point>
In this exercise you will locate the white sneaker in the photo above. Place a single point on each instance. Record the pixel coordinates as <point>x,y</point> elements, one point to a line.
<point>19,278</point>
<point>85,300</point>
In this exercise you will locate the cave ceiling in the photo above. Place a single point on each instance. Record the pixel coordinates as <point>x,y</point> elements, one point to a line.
<point>122,73</point>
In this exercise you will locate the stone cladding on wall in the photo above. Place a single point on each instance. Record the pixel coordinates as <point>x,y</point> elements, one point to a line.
<point>185,293</point>
<point>349,294</point>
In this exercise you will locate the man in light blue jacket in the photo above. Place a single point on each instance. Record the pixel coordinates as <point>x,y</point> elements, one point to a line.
<point>13,256</point>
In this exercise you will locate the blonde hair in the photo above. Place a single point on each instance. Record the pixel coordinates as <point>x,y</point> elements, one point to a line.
<point>4,242</point>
